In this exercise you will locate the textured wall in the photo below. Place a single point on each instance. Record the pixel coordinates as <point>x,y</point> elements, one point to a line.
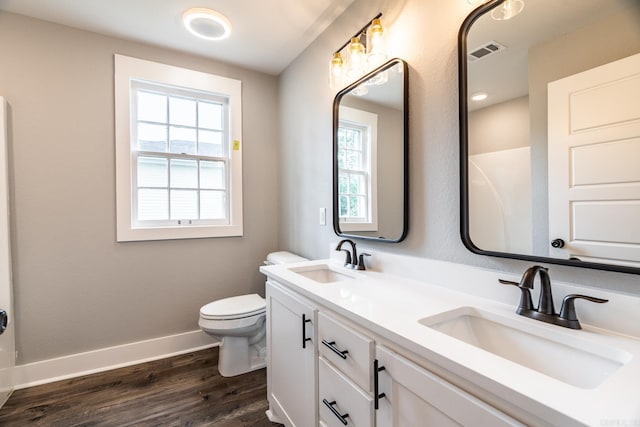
<point>76,289</point>
<point>424,33</point>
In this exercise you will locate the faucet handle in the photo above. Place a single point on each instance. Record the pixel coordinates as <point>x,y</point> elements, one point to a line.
<point>361,265</point>
<point>526,303</point>
<point>568,310</point>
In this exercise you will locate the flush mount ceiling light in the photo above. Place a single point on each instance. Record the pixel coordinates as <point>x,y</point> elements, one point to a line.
<point>206,23</point>
<point>479,96</point>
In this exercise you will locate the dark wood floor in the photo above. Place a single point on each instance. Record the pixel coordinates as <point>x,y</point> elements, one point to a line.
<point>179,391</point>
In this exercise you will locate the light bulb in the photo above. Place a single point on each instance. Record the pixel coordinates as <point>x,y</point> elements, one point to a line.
<point>356,58</point>
<point>376,44</point>
<point>336,78</point>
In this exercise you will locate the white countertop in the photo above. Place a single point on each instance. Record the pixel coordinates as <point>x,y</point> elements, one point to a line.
<point>391,306</point>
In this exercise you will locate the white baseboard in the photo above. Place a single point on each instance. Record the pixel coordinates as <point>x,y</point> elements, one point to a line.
<point>90,362</point>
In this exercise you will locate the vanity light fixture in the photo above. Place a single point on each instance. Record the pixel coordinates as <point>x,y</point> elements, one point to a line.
<point>206,23</point>
<point>363,52</point>
<point>507,10</point>
<point>479,96</point>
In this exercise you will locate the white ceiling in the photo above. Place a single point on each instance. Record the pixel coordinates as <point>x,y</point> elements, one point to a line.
<point>504,75</point>
<point>267,34</point>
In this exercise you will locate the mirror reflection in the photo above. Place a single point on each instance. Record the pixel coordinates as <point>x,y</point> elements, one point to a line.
<point>370,155</point>
<point>553,132</point>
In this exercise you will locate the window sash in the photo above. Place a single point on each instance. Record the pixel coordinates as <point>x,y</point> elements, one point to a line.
<point>170,92</point>
<point>363,170</point>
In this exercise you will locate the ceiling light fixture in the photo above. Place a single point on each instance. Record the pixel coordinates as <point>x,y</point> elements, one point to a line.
<point>206,23</point>
<point>479,96</point>
<point>364,51</point>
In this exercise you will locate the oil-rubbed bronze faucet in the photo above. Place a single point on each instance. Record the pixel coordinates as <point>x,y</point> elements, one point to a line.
<point>545,311</point>
<point>351,259</point>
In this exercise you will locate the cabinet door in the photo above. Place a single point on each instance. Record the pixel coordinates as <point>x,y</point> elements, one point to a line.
<point>291,362</point>
<point>414,396</point>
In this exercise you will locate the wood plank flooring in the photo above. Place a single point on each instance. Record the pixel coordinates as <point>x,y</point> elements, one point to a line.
<point>179,391</point>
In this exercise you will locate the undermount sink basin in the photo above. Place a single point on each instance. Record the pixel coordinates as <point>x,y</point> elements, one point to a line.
<point>322,273</point>
<point>572,360</point>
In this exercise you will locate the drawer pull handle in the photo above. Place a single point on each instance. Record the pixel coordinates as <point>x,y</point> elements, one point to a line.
<point>376,384</point>
<point>341,417</point>
<point>336,350</point>
<point>304,330</point>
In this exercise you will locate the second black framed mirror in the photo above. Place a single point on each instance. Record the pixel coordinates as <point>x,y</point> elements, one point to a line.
<point>370,155</point>
<point>550,132</point>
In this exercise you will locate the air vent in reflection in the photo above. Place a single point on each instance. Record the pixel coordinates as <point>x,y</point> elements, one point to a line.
<point>485,50</point>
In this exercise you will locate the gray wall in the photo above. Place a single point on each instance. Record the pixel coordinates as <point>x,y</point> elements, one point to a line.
<point>76,289</point>
<point>500,126</point>
<point>425,35</point>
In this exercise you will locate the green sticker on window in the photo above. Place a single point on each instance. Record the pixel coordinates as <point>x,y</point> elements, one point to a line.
<point>236,145</point>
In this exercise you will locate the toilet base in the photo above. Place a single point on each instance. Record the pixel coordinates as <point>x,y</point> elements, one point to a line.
<point>237,356</point>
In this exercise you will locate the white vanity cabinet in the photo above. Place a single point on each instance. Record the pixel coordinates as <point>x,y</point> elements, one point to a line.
<point>410,395</point>
<point>326,370</point>
<point>344,374</point>
<point>291,357</point>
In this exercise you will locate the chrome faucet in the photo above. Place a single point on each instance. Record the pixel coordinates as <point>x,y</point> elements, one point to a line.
<point>351,259</point>
<point>546,311</point>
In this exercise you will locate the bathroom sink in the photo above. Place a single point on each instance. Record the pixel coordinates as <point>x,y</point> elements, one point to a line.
<point>565,357</point>
<point>322,273</point>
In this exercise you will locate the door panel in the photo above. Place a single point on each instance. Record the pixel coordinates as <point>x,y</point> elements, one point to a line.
<point>594,170</point>
<point>7,338</point>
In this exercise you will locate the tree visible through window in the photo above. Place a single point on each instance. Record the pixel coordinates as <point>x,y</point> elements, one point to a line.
<point>353,172</point>
<point>357,182</point>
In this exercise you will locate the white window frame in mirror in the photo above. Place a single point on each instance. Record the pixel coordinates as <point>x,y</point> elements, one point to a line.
<point>368,121</point>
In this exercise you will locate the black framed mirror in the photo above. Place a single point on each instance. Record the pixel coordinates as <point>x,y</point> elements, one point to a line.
<point>370,155</point>
<point>550,132</point>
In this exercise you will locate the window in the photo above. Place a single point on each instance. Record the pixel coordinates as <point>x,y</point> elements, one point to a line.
<point>178,156</point>
<point>357,186</point>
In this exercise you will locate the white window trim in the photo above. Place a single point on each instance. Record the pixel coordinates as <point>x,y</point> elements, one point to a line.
<point>370,121</point>
<point>128,69</point>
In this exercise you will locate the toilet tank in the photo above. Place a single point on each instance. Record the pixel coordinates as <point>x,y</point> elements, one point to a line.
<point>283,257</point>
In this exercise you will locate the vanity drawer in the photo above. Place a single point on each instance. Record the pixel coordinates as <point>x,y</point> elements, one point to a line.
<point>348,401</point>
<point>348,350</point>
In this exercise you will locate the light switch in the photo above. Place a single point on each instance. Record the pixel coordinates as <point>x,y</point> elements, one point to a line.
<point>323,216</point>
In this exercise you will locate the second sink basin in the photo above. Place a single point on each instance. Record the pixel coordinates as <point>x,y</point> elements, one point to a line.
<point>567,358</point>
<point>322,273</point>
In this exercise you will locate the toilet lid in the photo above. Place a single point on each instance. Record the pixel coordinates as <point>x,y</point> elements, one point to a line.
<point>234,307</point>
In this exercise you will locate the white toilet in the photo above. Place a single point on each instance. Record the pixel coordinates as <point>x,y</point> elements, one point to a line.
<point>239,322</point>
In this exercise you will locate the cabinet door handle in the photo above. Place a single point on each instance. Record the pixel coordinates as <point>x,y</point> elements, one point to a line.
<point>341,417</point>
<point>336,350</point>
<point>304,330</point>
<point>376,384</point>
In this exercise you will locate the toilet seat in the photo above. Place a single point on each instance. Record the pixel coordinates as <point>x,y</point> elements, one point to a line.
<point>234,308</point>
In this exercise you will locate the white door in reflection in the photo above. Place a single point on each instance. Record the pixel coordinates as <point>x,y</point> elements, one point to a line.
<point>594,164</point>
